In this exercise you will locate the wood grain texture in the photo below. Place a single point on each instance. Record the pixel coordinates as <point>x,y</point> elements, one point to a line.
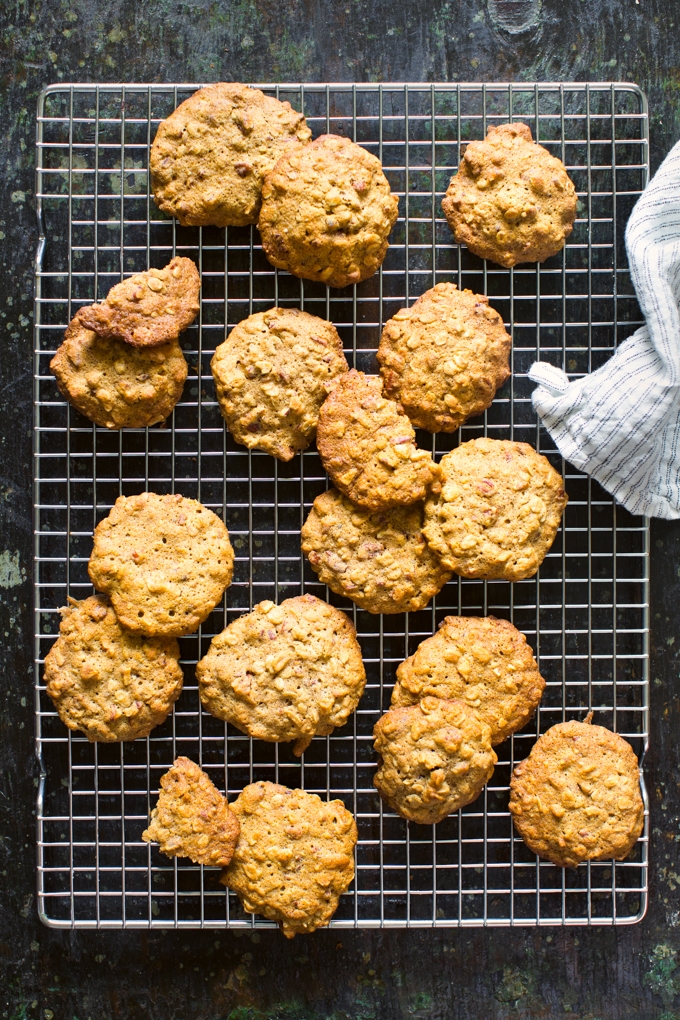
<point>457,975</point>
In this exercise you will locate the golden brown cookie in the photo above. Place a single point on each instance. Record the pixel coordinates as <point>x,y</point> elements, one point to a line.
<point>164,561</point>
<point>191,818</point>
<point>368,448</point>
<point>379,560</point>
<point>294,858</point>
<point>434,758</point>
<point>149,308</point>
<point>498,511</point>
<point>272,374</point>
<point>209,157</point>
<point>327,211</point>
<point>286,672</point>
<point>511,201</point>
<point>577,796</point>
<point>110,684</point>
<point>443,359</point>
<point>114,384</point>
<point>482,661</point>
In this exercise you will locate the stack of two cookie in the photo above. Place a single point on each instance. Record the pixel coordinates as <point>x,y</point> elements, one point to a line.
<point>161,564</point>
<point>120,363</point>
<point>232,156</point>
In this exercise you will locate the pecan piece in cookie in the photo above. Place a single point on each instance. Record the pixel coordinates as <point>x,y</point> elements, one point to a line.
<point>149,308</point>
<point>434,758</point>
<point>498,511</point>
<point>443,359</point>
<point>327,211</point>
<point>272,374</point>
<point>106,682</point>
<point>511,200</point>
<point>209,157</point>
<point>482,661</point>
<point>286,672</point>
<point>114,384</point>
<point>191,818</point>
<point>163,560</point>
<point>379,560</point>
<point>368,448</point>
<point>294,858</point>
<point>577,796</point>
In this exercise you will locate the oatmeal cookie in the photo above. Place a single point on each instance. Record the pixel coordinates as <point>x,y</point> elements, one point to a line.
<point>482,661</point>
<point>114,384</point>
<point>272,374</point>
<point>577,796</point>
<point>443,359</point>
<point>149,308</point>
<point>209,157</point>
<point>368,448</point>
<point>379,560</point>
<point>327,211</point>
<point>434,758</point>
<point>294,858</point>
<point>498,512</point>
<point>164,561</point>
<point>191,818</point>
<point>286,672</point>
<point>110,684</point>
<point>511,201</point>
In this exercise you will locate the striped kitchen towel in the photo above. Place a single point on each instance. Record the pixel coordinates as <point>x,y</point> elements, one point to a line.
<point>621,424</point>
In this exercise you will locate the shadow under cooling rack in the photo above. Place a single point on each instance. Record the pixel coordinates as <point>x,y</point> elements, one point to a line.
<point>584,614</point>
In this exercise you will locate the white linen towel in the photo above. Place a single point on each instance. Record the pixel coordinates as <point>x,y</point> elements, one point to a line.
<point>621,423</point>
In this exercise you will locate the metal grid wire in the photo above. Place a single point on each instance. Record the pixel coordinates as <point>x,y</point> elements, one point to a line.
<point>585,613</point>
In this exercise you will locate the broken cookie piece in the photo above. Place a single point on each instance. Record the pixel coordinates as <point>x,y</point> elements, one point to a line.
<point>192,819</point>
<point>149,308</point>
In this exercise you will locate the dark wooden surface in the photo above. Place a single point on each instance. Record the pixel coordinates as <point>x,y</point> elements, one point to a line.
<point>469,975</point>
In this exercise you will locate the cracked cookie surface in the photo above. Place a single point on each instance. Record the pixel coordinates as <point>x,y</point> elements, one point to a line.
<point>434,758</point>
<point>482,661</point>
<point>165,562</point>
<point>368,448</point>
<point>149,308</point>
<point>498,511</point>
<point>511,200</point>
<point>272,374</point>
<point>110,684</point>
<point>577,796</point>
<point>286,672</point>
<point>380,560</point>
<point>210,156</point>
<point>443,358</point>
<point>191,817</point>
<point>327,211</point>
<point>114,384</point>
<point>294,858</point>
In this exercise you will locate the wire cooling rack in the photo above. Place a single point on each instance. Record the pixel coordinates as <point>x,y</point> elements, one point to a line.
<point>585,613</point>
